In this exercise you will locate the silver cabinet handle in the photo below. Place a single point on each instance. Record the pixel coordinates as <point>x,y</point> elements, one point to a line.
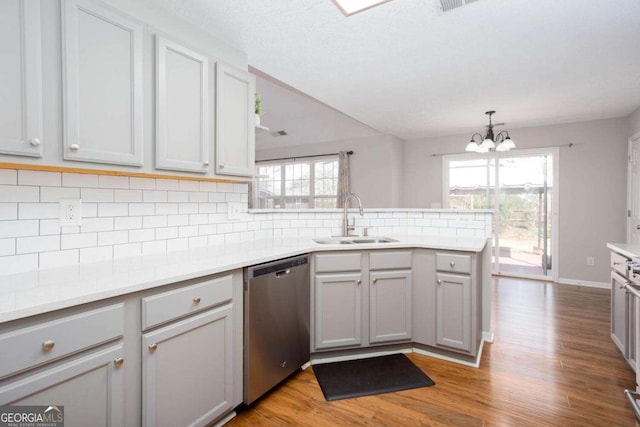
<point>35,142</point>
<point>196,300</point>
<point>153,348</point>
<point>616,263</point>
<point>439,281</point>
<point>206,163</point>
<point>118,362</point>
<point>74,147</point>
<point>48,345</point>
<point>375,280</point>
<point>452,264</point>
<point>358,281</point>
<point>221,165</point>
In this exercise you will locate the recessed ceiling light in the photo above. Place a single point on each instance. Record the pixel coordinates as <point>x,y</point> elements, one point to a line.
<point>350,7</point>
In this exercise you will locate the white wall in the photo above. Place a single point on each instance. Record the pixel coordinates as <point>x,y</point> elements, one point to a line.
<point>634,122</point>
<point>375,166</point>
<point>592,186</point>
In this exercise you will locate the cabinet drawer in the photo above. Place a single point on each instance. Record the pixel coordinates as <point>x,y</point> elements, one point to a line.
<point>453,263</point>
<point>619,263</point>
<point>171,305</point>
<point>388,260</point>
<point>337,262</point>
<point>33,346</point>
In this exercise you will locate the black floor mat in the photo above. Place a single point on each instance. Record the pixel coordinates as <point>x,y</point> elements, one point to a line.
<point>365,377</point>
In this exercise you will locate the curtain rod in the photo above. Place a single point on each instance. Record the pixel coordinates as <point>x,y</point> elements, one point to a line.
<point>303,157</point>
<point>527,148</point>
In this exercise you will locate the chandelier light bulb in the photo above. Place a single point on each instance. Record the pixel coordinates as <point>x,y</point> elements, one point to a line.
<point>472,147</point>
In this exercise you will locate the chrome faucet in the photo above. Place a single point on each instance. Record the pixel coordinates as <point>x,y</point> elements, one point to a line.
<point>346,227</point>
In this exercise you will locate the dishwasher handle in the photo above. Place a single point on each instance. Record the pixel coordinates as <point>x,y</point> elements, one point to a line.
<point>283,273</point>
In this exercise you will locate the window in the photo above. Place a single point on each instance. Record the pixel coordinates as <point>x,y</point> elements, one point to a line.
<point>297,185</point>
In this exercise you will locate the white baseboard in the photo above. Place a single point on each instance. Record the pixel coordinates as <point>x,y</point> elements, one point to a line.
<point>585,283</point>
<point>474,364</point>
<point>226,419</point>
<point>317,359</point>
<point>488,336</point>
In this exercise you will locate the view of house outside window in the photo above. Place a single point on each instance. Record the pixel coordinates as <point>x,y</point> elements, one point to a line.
<point>298,184</point>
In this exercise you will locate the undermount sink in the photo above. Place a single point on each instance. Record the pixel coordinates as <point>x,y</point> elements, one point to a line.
<point>353,240</point>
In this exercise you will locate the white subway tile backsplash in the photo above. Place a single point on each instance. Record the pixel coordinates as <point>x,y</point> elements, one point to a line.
<point>187,208</point>
<point>59,258</point>
<point>216,197</point>
<point>89,210</point>
<point>127,222</point>
<point>207,229</point>
<point>96,224</point>
<point>38,210</point>
<point>8,211</point>
<point>207,208</point>
<point>197,219</point>
<point>225,187</point>
<point>41,178</point>
<point>166,208</point>
<point>177,244</point>
<point>154,247</point>
<point>127,196</point>
<point>108,181</point>
<point>177,196</point>
<point>154,196</point>
<point>94,195</point>
<point>143,235</point>
<point>215,239</point>
<point>18,263</point>
<point>139,209</point>
<point>168,184</point>
<point>142,183</point>
<point>12,193</point>
<point>209,187</point>
<point>113,209</point>
<point>168,233</point>
<point>7,247</point>
<point>8,176</point>
<point>78,240</point>
<point>127,250</point>
<point>54,194</point>
<point>49,226</point>
<point>113,237</point>
<point>189,185</point>
<point>232,197</point>
<point>155,221</point>
<point>28,245</point>
<point>100,253</point>
<point>198,197</point>
<point>177,220</point>
<point>188,231</point>
<point>79,180</point>
<point>225,227</point>
<point>19,228</point>
<point>198,241</point>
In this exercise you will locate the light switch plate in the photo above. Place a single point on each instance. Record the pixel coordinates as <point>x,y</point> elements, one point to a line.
<point>233,210</point>
<point>70,212</point>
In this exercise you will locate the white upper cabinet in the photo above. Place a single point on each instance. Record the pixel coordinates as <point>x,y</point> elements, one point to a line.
<point>21,77</point>
<point>102,84</point>
<point>235,132</point>
<point>182,108</point>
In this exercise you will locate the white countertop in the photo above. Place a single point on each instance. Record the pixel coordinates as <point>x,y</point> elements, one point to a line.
<point>37,292</point>
<point>627,249</point>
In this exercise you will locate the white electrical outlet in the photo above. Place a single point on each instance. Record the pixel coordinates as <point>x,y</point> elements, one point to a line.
<point>233,210</point>
<point>591,261</point>
<point>70,212</point>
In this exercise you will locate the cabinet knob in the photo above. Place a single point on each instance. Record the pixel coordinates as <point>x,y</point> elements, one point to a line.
<point>74,147</point>
<point>153,348</point>
<point>375,280</point>
<point>452,264</point>
<point>221,165</point>
<point>439,281</point>
<point>616,263</point>
<point>118,362</point>
<point>196,300</point>
<point>35,142</point>
<point>358,281</point>
<point>206,163</point>
<point>48,345</point>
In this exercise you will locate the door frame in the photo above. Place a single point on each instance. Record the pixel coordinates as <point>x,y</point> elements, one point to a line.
<point>555,239</point>
<point>632,139</point>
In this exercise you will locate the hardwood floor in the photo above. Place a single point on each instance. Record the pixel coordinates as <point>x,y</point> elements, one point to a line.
<point>552,364</point>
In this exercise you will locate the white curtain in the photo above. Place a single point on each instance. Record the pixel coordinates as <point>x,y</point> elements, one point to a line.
<point>343,177</point>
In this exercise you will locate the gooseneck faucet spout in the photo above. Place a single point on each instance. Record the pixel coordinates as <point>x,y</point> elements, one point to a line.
<point>345,220</point>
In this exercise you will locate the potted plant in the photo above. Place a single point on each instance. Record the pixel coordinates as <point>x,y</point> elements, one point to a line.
<point>258,110</point>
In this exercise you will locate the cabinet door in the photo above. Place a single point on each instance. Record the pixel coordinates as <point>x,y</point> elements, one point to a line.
<point>618,312</point>
<point>21,77</point>
<point>632,329</point>
<point>390,306</point>
<point>187,370</point>
<point>91,389</point>
<point>182,108</point>
<point>338,319</point>
<point>453,311</point>
<point>235,131</point>
<point>102,84</point>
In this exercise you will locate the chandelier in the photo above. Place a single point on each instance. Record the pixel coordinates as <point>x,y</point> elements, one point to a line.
<point>500,142</point>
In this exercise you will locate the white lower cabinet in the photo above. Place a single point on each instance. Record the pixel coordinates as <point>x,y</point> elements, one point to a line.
<point>188,370</point>
<point>337,314</point>
<point>619,315</point>
<point>91,389</point>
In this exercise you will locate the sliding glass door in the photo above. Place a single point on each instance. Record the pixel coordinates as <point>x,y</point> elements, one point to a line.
<point>521,187</point>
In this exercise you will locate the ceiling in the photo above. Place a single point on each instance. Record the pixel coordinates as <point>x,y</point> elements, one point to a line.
<point>405,69</point>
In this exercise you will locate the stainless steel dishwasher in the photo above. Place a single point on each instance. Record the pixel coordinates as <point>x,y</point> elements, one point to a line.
<point>276,323</point>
